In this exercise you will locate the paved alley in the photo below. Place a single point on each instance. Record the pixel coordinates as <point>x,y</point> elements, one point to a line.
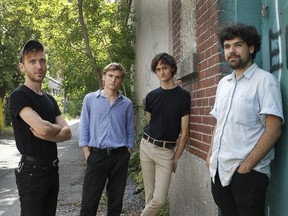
<point>71,169</point>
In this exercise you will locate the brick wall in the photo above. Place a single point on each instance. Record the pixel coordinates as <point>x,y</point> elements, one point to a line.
<point>203,86</point>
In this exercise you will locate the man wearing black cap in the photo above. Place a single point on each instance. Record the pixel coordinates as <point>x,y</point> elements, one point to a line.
<point>38,125</point>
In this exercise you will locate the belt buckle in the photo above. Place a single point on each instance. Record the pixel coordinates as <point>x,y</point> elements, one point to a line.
<point>109,151</point>
<point>55,162</point>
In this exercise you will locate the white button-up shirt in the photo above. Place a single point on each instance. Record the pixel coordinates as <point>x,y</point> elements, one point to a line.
<point>240,109</point>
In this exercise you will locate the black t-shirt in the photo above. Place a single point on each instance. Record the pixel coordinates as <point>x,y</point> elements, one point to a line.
<point>46,107</point>
<point>167,107</point>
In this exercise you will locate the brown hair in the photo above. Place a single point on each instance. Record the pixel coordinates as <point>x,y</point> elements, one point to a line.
<point>247,33</point>
<point>164,58</point>
<point>114,66</point>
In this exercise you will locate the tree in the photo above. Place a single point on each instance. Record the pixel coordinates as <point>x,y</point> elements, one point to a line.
<point>12,34</point>
<point>81,37</point>
<point>93,33</point>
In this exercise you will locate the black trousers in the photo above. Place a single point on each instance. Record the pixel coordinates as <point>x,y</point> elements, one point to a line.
<point>102,167</point>
<point>244,196</point>
<point>38,187</point>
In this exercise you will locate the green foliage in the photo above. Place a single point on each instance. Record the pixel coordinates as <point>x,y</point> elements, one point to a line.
<point>60,102</point>
<point>7,132</point>
<point>73,108</point>
<point>134,163</point>
<point>164,211</point>
<point>57,24</point>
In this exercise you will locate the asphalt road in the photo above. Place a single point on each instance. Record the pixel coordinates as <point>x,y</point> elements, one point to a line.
<point>71,169</point>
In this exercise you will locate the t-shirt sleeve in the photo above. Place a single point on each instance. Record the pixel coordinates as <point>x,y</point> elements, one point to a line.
<point>147,107</point>
<point>57,110</point>
<point>17,101</point>
<point>186,104</point>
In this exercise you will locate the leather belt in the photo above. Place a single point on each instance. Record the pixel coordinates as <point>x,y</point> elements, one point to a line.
<point>107,151</point>
<point>40,161</point>
<point>160,143</point>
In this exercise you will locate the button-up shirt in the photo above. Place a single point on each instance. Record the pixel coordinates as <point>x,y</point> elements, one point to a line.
<point>240,108</point>
<point>106,126</point>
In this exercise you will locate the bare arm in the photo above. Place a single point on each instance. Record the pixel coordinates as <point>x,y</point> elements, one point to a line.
<point>63,134</point>
<point>40,126</point>
<point>184,135</point>
<point>264,145</point>
<point>148,117</point>
<point>211,147</point>
<point>86,152</point>
<point>43,129</point>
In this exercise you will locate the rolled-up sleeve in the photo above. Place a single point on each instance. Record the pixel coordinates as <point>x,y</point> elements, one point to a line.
<point>130,127</point>
<point>84,129</point>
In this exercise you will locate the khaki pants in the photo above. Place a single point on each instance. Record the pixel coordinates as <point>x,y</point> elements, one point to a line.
<point>156,163</point>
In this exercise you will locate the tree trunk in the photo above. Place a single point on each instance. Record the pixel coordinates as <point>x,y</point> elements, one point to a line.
<point>87,44</point>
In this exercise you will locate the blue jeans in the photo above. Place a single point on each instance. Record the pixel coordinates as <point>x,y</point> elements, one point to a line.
<point>38,188</point>
<point>244,196</point>
<point>100,168</point>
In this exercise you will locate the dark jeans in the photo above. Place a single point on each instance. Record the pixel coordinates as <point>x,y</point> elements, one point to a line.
<point>38,188</point>
<point>244,196</point>
<point>102,167</point>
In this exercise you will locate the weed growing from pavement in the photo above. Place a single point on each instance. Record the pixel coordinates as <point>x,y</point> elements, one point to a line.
<point>6,132</point>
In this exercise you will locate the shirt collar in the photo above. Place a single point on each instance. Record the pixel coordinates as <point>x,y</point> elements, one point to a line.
<point>250,71</point>
<point>247,74</point>
<point>98,93</point>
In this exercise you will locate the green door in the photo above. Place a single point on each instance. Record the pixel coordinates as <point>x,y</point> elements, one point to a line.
<point>274,59</point>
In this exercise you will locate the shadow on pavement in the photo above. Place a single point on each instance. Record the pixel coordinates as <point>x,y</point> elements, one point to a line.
<point>71,170</point>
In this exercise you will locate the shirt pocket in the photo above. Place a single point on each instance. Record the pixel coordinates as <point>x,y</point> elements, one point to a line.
<point>246,110</point>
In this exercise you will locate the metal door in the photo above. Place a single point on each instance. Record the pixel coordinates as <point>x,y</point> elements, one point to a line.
<point>274,28</point>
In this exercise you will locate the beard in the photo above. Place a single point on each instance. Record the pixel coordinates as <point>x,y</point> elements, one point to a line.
<point>35,78</point>
<point>239,63</point>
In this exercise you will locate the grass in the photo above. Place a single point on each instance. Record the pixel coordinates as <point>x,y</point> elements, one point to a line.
<point>6,132</point>
<point>164,211</point>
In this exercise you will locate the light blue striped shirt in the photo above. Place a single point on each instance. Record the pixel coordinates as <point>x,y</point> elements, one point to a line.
<point>105,126</point>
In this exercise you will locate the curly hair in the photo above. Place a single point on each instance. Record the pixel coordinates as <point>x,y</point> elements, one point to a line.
<point>247,33</point>
<point>164,58</point>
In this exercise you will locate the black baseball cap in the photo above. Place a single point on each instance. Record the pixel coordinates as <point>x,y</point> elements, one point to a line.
<point>30,45</point>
